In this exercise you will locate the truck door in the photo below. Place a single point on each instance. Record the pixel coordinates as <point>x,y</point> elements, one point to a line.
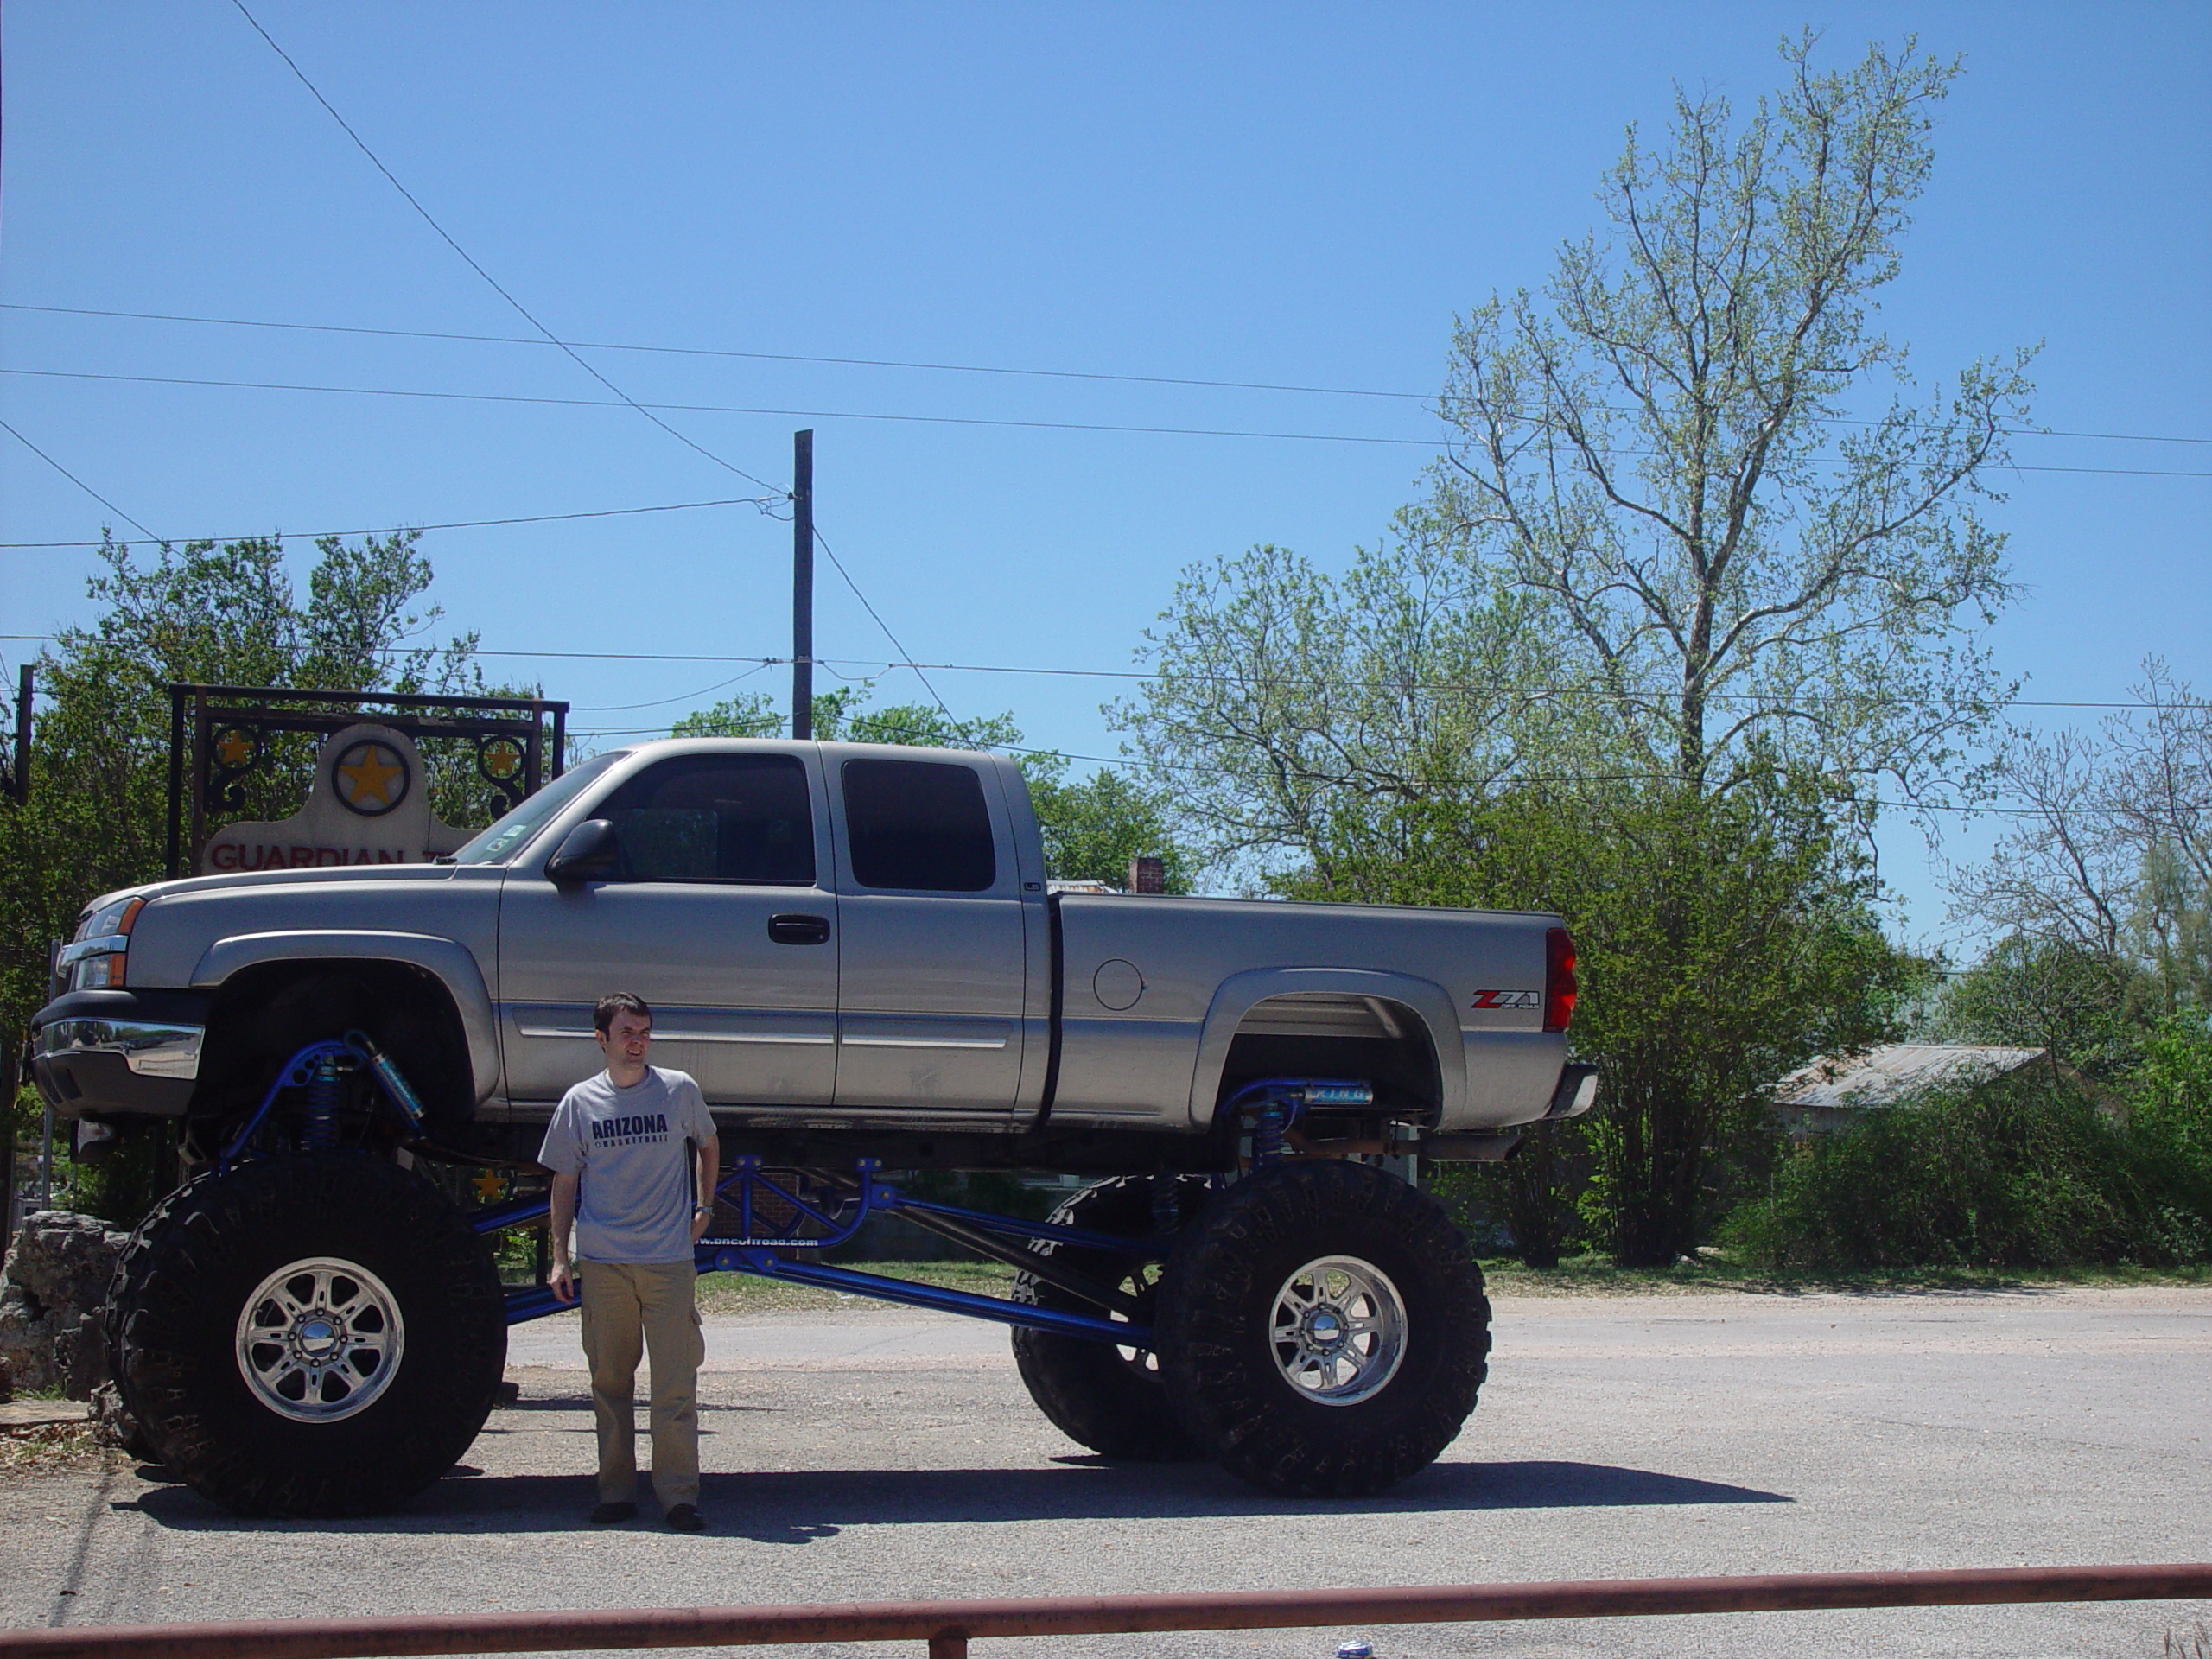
<point>717,914</point>
<point>932,961</point>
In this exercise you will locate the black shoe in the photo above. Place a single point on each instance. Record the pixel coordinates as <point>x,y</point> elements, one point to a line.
<point>685,1517</point>
<point>606,1512</point>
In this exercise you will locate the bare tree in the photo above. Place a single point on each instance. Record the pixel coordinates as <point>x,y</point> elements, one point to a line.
<point>2111,852</point>
<point>1703,457</point>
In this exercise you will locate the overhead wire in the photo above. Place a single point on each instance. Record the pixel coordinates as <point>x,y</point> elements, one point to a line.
<point>78,481</point>
<point>531,318</point>
<point>872,668</point>
<point>445,236</point>
<point>457,523</point>
<point>839,565</point>
<point>944,368</point>
<point>878,415</point>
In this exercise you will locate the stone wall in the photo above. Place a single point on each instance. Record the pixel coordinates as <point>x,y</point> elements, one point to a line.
<point>53,1288</point>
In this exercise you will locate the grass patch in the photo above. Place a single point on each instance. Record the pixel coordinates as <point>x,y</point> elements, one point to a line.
<point>52,1448</point>
<point>1596,1275</point>
<point>748,1293</point>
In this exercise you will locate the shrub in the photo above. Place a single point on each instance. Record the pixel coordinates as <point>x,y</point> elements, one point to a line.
<point>2018,1174</point>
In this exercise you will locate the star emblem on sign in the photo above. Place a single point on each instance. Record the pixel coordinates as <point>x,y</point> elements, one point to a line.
<point>370,778</point>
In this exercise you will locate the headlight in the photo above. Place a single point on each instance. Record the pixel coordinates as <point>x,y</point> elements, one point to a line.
<point>96,958</point>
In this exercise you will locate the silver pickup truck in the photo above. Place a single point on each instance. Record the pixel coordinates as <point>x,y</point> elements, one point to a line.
<point>857,953</point>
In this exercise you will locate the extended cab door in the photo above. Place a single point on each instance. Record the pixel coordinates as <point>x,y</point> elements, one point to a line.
<point>718,914</point>
<point>931,963</point>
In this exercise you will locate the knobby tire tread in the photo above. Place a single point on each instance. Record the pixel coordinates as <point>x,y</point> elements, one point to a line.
<point>1093,1394</point>
<point>1215,1311</point>
<point>183,1281</point>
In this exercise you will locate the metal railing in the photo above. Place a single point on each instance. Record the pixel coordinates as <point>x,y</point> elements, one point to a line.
<point>948,1626</point>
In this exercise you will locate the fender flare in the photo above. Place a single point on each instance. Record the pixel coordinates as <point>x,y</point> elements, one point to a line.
<point>448,961</point>
<point>1241,993</point>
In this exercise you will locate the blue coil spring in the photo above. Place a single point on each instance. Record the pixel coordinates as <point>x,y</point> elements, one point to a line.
<point>320,1133</point>
<point>1268,1122</point>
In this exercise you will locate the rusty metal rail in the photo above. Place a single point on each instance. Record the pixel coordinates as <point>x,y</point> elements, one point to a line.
<point>948,1626</point>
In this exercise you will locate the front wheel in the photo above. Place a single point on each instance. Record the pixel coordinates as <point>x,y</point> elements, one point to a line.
<point>1326,1332</point>
<point>313,1336</point>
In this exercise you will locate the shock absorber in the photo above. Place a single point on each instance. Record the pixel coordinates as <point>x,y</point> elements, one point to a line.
<point>1268,1122</point>
<point>321,1133</point>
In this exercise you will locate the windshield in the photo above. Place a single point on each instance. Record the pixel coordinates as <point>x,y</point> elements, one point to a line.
<point>506,838</point>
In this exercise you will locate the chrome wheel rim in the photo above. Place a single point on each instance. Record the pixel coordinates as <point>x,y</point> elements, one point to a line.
<point>320,1340</point>
<point>1339,1330</point>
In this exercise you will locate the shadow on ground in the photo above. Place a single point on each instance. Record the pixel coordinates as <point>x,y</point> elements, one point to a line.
<point>799,1506</point>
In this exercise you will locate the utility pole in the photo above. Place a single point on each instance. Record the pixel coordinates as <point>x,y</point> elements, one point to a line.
<point>803,583</point>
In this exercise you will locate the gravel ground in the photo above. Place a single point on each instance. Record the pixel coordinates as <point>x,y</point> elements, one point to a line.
<point>875,1453</point>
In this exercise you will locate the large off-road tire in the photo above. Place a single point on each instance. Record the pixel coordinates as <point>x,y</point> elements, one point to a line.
<point>311,1336</point>
<point>1324,1332</point>
<point>1107,1398</point>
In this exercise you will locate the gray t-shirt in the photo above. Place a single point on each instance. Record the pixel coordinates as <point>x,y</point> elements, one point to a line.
<point>628,1145</point>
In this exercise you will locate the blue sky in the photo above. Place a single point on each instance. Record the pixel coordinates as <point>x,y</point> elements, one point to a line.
<point>1290,194</point>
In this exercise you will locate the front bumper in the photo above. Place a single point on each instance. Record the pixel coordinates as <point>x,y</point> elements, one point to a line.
<point>119,1053</point>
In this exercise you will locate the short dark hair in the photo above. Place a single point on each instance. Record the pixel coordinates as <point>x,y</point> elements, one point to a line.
<point>614,1002</point>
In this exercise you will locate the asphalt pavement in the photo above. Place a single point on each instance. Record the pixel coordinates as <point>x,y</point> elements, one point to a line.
<point>886,1453</point>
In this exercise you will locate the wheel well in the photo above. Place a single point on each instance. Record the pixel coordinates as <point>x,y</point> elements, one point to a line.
<point>1332,1034</point>
<point>265,1014</point>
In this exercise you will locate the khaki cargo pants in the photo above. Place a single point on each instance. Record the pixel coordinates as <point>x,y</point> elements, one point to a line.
<point>627,1307</point>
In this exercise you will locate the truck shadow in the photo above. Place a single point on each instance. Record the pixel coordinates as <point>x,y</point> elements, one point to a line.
<point>801,1505</point>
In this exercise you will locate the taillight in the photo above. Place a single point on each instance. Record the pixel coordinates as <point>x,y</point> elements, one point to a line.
<point>1559,979</point>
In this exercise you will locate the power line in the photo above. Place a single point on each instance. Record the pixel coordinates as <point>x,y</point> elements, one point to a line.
<point>707,409</point>
<point>458,523</point>
<point>751,357</point>
<point>871,667</point>
<point>879,621</point>
<point>468,259</point>
<point>896,363</point>
<point>869,415</point>
<point>78,481</point>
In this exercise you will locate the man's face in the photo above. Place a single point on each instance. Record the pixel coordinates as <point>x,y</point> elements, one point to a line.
<point>626,1036</point>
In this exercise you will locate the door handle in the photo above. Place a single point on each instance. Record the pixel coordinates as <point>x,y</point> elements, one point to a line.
<point>800,930</point>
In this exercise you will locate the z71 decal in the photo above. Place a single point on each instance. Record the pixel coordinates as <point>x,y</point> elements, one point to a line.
<point>1505,1000</point>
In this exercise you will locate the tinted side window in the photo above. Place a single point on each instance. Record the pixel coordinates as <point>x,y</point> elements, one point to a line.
<point>715,818</point>
<point>919,824</point>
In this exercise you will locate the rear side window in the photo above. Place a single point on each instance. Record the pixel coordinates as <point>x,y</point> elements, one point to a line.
<point>918,826</point>
<point>715,818</point>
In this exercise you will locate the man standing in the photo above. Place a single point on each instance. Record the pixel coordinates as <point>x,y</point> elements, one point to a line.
<point>617,1146</point>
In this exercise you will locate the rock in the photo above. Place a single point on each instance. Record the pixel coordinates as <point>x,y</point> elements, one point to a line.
<point>7,1379</point>
<point>53,1290</point>
<point>113,1425</point>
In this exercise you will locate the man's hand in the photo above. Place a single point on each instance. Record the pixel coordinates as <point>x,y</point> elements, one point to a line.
<point>701,1220</point>
<point>558,1279</point>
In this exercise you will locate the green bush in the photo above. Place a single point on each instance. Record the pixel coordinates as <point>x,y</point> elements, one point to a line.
<point>2019,1173</point>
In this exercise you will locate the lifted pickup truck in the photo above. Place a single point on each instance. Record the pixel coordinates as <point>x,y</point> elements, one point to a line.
<point>856,952</point>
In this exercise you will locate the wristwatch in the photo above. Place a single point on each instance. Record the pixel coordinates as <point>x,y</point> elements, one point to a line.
<point>702,1209</point>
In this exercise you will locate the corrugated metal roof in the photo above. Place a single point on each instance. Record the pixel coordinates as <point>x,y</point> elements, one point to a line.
<point>1897,1071</point>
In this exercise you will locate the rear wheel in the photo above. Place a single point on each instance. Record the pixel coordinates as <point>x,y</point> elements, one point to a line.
<point>1325,1332</point>
<point>310,1335</point>
<point>1105,1397</point>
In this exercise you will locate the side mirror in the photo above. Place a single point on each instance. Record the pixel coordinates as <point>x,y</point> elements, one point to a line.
<point>588,853</point>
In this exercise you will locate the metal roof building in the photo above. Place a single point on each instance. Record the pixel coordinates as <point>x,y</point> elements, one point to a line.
<point>1829,1092</point>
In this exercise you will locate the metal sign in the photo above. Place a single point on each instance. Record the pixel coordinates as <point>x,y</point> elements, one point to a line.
<point>368,801</point>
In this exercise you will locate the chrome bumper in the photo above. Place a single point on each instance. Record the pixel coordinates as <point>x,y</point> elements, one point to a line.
<point>148,1048</point>
<point>115,1053</point>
